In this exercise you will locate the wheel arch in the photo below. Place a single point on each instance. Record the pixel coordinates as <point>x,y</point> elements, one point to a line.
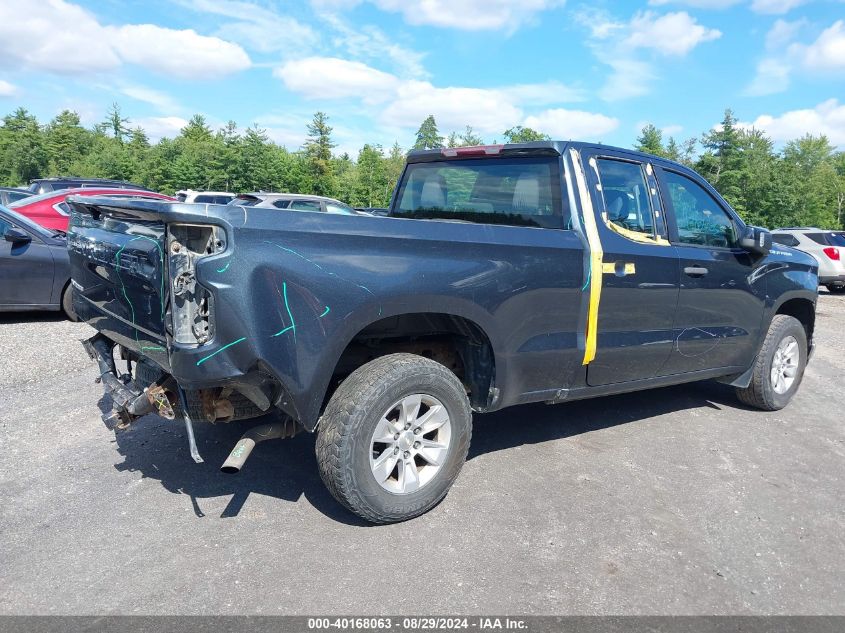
<point>458,342</point>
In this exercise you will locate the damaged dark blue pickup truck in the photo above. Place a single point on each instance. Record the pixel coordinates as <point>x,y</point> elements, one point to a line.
<point>539,272</point>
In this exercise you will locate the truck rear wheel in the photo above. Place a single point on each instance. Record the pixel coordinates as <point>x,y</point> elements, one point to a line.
<point>394,437</point>
<point>779,366</point>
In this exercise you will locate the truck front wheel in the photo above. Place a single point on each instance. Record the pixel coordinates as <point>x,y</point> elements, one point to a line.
<point>779,366</point>
<point>393,437</point>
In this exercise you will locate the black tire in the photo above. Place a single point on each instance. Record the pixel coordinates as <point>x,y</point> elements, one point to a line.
<point>836,290</point>
<point>346,429</point>
<point>760,393</point>
<point>245,409</point>
<point>67,303</point>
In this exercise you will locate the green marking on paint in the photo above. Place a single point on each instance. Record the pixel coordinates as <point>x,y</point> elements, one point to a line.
<point>225,268</point>
<point>123,286</point>
<point>202,360</point>
<point>280,332</point>
<point>287,307</point>
<point>324,313</point>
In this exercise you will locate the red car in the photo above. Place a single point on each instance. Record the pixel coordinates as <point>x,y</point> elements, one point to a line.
<point>52,212</point>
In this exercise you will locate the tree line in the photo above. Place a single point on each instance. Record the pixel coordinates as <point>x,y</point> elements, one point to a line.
<point>802,184</point>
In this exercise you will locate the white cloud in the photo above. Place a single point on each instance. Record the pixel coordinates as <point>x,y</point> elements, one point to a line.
<point>184,53</point>
<point>160,127</point>
<point>630,78</point>
<point>55,36</point>
<point>7,89</point>
<point>572,124</point>
<point>547,93</point>
<point>615,44</point>
<point>257,27</point>
<point>827,118</point>
<point>782,32</point>
<point>823,57</point>
<point>698,4</point>
<point>467,15</point>
<point>161,101</point>
<point>772,77</point>
<point>370,42</point>
<point>672,130</point>
<point>485,110</point>
<point>758,6</point>
<point>335,78</point>
<point>408,101</point>
<point>669,34</point>
<point>827,53</point>
<point>60,37</point>
<point>776,7</point>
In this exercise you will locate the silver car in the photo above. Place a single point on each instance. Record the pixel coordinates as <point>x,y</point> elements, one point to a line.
<point>828,247</point>
<point>294,202</point>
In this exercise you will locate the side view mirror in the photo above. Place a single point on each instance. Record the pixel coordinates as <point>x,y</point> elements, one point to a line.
<point>16,236</point>
<point>756,240</point>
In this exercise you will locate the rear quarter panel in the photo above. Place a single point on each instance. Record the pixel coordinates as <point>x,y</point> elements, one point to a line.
<point>294,288</point>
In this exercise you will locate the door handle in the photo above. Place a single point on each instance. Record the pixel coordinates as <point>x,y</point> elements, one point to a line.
<point>696,271</point>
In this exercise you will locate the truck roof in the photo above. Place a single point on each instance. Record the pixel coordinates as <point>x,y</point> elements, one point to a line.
<point>535,148</point>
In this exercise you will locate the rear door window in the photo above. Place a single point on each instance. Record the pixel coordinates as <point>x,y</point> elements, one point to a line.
<point>626,198</point>
<point>786,239</point>
<point>836,239</point>
<point>306,205</point>
<point>515,191</point>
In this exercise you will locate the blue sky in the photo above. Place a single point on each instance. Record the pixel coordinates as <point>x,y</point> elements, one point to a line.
<point>586,70</point>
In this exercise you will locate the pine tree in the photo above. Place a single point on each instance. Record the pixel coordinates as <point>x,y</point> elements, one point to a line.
<point>23,152</point>
<point>650,141</point>
<point>372,188</point>
<point>318,149</point>
<point>428,137</point>
<point>118,125</point>
<point>66,141</point>
<point>519,134</point>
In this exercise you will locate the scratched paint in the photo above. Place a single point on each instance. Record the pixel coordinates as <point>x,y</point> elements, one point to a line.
<point>202,360</point>
<point>287,307</point>
<point>317,266</point>
<point>126,296</point>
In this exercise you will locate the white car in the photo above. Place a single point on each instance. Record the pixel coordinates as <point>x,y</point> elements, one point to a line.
<point>828,247</point>
<point>204,197</point>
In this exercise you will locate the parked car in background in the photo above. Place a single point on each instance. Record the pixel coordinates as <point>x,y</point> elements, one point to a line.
<point>8,195</point>
<point>45,185</point>
<point>34,268</point>
<point>51,211</point>
<point>373,210</point>
<point>827,247</point>
<point>293,202</point>
<point>204,197</point>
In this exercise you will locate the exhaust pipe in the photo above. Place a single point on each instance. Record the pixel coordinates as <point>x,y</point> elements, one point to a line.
<point>242,450</point>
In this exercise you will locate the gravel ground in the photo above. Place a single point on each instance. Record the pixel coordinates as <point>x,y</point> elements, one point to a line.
<point>673,501</point>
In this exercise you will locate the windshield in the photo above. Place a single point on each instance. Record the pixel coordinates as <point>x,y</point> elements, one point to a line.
<point>26,223</point>
<point>517,191</point>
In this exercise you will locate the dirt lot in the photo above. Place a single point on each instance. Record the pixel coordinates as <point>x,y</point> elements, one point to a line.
<point>674,501</point>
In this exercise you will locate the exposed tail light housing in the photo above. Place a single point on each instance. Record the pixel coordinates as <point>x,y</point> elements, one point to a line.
<point>473,150</point>
<point>832,252</point>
